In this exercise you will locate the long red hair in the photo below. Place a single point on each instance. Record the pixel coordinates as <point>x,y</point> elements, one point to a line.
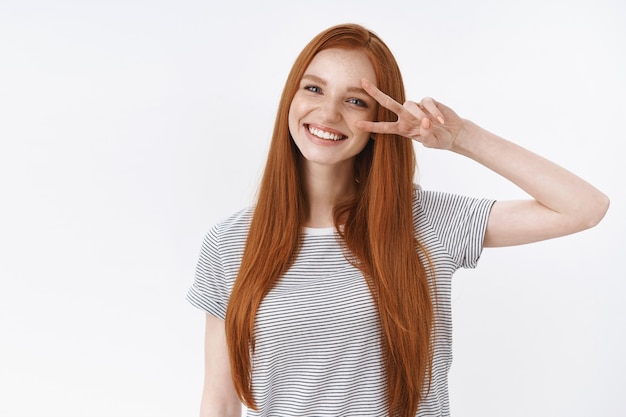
<point>378,234</point>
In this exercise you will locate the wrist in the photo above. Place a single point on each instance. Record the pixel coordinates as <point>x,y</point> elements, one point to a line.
<point>464,138</point>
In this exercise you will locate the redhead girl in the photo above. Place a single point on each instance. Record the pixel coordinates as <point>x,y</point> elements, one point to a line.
<point>331,295</point>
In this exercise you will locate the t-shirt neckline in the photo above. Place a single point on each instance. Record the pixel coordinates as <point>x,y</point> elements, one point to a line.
<point>319,231</point>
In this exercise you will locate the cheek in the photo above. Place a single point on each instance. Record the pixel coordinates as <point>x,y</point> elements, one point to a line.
<point>363,141</point>
<point>292,122</point>
<point>372,114</point>
<point>369,116</point>
<point>293,116</point>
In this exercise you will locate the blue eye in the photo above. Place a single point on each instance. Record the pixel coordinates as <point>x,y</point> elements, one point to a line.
<point>313,89</point>
<point>358,102</point>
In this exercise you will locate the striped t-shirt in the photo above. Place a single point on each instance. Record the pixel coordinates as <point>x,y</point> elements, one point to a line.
<point>317,331</point>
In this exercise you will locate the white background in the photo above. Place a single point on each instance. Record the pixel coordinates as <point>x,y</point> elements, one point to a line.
<point>128,128</point>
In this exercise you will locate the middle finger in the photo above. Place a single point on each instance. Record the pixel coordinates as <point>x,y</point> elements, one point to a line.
<point>415,109</point>
<point>382,98</point>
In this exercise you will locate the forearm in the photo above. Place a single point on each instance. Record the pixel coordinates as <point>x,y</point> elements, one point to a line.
<point>549,184</point>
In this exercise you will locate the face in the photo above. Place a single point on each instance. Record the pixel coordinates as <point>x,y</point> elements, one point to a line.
<point>328,102</point>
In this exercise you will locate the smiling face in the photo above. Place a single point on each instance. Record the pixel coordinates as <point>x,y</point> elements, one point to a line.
<point>326,105</point>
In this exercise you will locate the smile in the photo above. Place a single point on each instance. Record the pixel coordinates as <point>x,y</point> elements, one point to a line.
<point>323,134</point>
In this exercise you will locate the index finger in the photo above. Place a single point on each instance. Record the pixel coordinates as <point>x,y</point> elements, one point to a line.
<point>382,98</point>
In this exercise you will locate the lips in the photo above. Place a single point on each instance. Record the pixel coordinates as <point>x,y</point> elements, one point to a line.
<point>325,134</point>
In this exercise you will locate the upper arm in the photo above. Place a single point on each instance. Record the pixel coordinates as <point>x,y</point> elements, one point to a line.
<point>526,221</point>
<point>219,397</point>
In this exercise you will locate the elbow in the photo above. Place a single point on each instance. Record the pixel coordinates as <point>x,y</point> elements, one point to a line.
<point>596,210</point>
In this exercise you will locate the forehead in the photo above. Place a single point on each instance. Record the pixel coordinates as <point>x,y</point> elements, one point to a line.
<point>342,64</point>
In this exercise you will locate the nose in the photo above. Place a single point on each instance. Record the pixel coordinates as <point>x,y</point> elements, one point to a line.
<point>330,110</point>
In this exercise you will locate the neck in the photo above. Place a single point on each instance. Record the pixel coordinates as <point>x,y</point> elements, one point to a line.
<point>325,187</point>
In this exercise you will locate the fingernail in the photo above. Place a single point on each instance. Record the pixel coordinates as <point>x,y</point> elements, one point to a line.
<point>426,123</point>
<point>440,119</point>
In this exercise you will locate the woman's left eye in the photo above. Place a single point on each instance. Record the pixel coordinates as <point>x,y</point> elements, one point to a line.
<point>358,102</point>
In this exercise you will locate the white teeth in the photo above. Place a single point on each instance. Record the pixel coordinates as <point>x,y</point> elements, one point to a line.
<point>324,135</point>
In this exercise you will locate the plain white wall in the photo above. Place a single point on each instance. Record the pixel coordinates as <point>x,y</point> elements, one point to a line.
<point>128,128</point>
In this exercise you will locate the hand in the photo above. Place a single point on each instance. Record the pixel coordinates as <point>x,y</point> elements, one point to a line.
<point>432,124</point>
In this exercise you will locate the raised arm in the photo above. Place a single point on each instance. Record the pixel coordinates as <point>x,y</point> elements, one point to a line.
<point>562,203</point>
<point>219,398</point>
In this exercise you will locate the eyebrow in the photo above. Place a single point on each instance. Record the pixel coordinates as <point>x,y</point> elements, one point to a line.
<point>319,80</point>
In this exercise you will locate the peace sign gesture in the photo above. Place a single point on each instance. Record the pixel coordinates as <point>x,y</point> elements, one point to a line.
<point>431,123</point>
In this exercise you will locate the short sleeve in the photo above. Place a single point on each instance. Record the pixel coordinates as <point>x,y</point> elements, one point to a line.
<point>458,222</point>
<point>209,290</point>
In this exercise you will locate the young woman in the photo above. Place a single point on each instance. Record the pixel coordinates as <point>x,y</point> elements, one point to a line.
<point>331,296</point>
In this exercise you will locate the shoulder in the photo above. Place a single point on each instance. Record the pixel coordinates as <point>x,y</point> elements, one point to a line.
<point>455,222</point>
<point>238,222</point>
<point>218,263</point>
<point>442,204</point>
<point>230,231</point>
